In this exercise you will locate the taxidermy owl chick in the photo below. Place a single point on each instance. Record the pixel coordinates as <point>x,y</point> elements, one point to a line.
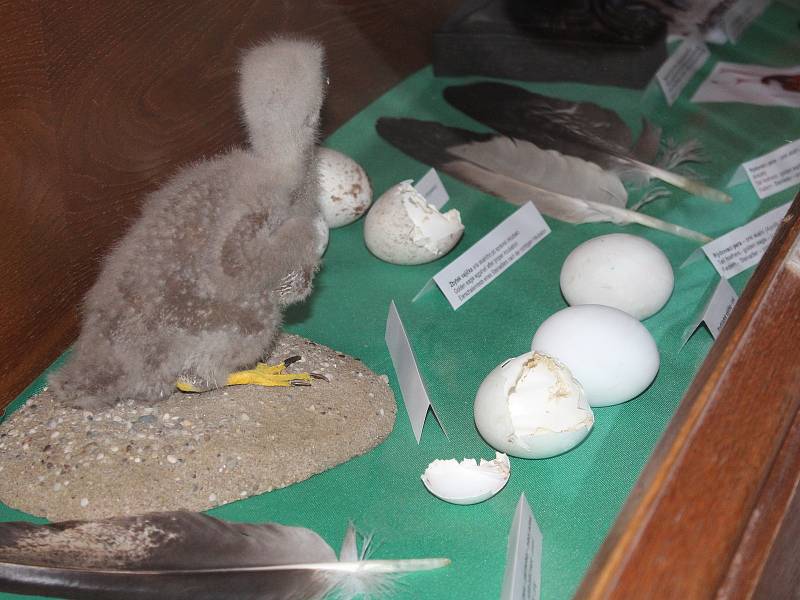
<point>195,289</point>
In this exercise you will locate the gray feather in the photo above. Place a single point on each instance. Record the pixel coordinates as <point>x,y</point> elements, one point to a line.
<point>180,556</point>
<point>574,128</point>
<point>503,176</point>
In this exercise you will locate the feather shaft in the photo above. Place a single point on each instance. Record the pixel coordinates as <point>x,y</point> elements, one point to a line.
<point>690,185</point>
<point>184,556</point>
<point>561,206</point>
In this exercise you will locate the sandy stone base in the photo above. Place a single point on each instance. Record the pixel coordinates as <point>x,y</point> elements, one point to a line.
<point>193,451</point>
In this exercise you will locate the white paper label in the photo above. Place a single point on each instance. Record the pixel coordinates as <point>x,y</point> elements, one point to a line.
<point>776,171</point>
<point>523,576</point>
<point>415,396</point>
<point>716,311</point>
<point>743,247</point>
<point>739,16</point>
<point>751,84</point>
<point>679,68</point>
<point>491,255</point>
<point>432,189</point>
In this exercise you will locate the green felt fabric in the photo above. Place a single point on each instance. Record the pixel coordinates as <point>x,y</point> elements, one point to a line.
<point>576,496</point>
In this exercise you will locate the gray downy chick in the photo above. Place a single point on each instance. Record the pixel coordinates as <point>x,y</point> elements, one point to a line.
<point>197,285</point>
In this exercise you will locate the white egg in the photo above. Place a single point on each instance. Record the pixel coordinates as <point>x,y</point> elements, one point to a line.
<point>345,190</point>
<point>402,228</point>
<point>619,270</point>
<point>532,407</point>
<point>467,482</point>
<point>612,354</point>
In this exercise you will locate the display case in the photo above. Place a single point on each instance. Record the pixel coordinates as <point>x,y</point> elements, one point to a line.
<point>102,101</point>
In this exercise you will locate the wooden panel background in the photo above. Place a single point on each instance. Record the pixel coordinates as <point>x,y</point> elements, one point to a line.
<point>102,100</point>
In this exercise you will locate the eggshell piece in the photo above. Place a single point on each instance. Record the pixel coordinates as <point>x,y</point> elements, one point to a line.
<point>402,228</point>
<point>531,406</point>
<point>467,482</point>
<point>610,353</point>
<point>345,189</point>
<point>619,270</point>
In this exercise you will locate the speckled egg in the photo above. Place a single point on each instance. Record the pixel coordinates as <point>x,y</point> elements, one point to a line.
<point>345,190</point>
<point>404,229</point>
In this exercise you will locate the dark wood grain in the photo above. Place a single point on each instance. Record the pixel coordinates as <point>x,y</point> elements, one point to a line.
<point>37,297</point>
<point>726,467</point>
<point>102,101</point>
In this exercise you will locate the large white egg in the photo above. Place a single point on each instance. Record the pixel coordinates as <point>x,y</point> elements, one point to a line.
<point>532,407</point>
<point>619,270</point>
<point>402,228</point>
<point>612,354</point>
<point>345,190</point>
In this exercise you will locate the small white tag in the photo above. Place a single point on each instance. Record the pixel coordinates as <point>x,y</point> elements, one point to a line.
<point>415,396</point>
<point>750,84</point>
<point>776,171</point>
<point>739,16</point>
<point>432,188</point>
<point>679,68</point>
<point>744,246</point>
<point>739,177</point>
<point>716,311</point>
<point>523,576</point>
<point>491,255</point>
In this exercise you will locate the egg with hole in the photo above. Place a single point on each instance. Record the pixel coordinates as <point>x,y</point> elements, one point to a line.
<point>345,192</point>
<point>404,229</point>
<point>467,482</point>
<point>612,354</point>
<point>532,407</point>
<point>619,270</point>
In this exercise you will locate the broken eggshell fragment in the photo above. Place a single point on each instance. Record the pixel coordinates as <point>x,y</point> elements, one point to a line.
<point>532,407</point>
<point>402,228</point>
<point>345,192</point>
<point>467,482</point>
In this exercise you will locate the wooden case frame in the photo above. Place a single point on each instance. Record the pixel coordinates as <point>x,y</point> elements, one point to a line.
<point>715,512</point>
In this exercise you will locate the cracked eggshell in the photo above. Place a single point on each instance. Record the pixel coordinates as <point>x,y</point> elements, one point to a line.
<point>532,407</point>
<point>345,189</point>
<point>620,270</point>
<point>612,354</point>
<point>467,482</point>
<point>402,228</point>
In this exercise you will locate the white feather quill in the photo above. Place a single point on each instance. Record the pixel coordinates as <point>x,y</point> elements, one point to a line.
<point>185,556</point>
<point>557,205</point>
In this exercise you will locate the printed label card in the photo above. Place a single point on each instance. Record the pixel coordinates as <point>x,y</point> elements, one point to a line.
<point>744,246</point>
<point>412,387</point>
<point>432,188</point>
<point>716,311</point>
<point>523,575</point>
<point>678,70</point>
<point>490,256</point>
<point>774,172</point>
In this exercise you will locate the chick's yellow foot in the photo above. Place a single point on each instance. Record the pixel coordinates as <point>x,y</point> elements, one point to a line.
<point>261,374</point>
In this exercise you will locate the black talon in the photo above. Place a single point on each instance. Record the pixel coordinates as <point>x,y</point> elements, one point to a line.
<point>291,360</point>
<point>320,376</point>
<point>300,383</point>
